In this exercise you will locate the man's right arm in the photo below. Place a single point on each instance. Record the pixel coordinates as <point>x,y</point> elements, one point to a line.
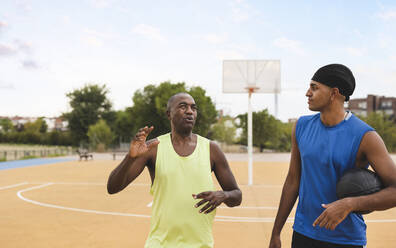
<point>140,154</point>
<point>125,173</point>
<point>289,193</point>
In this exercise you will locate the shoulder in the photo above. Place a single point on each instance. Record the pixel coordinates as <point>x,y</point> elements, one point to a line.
<point>305,121</point>
<point>214,146</point>
<point>307,118</point>
<point>162,137</point>
<point>356,121</point>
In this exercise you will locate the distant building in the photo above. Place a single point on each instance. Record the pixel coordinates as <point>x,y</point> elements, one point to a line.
<point>373,103</point>
<point>56,123</point>
<point>19,121</point>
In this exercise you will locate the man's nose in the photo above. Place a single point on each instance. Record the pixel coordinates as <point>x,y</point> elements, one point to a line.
<point>189,109</point>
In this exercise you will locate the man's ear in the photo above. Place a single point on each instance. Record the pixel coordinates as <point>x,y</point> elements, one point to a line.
<point>335,93</point>
<point>168,114</point>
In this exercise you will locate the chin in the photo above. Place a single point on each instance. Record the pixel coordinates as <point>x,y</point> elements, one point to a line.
<point>312,108</point>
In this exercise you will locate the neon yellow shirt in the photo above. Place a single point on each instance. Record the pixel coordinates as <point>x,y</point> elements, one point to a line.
<point>175,222</point>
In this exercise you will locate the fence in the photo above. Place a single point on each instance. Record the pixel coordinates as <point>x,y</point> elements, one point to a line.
<point>15,154</point>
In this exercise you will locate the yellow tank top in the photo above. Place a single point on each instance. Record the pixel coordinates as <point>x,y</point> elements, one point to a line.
<point>175,222</point>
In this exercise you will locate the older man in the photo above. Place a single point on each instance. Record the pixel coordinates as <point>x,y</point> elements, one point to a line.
<point>180,165</point>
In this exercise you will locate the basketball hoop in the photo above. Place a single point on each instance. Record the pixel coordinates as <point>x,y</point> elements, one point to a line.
<point>251,76</point>
<point>252,89</point>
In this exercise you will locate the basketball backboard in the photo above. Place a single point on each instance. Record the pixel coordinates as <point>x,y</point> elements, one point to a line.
<point>261,75</point>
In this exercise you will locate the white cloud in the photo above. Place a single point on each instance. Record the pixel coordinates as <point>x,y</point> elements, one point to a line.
<point>6,50</point>
<point>387,15</point>
<point>7,86</point>
<point>289,45</point>
<point>241,11</point>
<point>215,38</point>
<point>30,64</point>
<point>18,46</point>
<point>24,5</point>
<point>149,32</point>
<point>24,46</point>
<point>354,51</point>
<point>239,14</point>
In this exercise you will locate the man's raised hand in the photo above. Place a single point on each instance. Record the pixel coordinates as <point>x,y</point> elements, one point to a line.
<point>139,145</point>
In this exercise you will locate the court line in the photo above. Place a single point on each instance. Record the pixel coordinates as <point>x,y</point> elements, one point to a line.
<point>150,204</point>
<point>89,183</point>
<point>19,193</point>
<point>262,185</point>
<point>12,186</point>
<point>217,218</point>
<point>249,207</point>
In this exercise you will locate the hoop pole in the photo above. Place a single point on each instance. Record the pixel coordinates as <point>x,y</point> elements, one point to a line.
<point>276,105</point>
<point>250,140</point>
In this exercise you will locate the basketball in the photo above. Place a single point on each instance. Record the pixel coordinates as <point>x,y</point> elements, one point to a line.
<point>358,182</point>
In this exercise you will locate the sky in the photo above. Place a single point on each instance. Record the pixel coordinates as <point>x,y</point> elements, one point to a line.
<point>49,48</point>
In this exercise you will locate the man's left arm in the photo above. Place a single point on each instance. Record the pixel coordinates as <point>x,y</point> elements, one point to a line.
<point>231,195</point>
<point>374,149</point>
<point>377,155</point>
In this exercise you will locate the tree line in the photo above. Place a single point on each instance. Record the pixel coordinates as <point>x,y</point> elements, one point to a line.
<point>92,121</point>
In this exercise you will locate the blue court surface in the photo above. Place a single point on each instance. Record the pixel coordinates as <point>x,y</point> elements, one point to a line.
<point>31,162</point>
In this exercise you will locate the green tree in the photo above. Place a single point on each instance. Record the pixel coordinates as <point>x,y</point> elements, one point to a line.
<point>124,125</point>
<point>384,127</point>
<point>38,126</point>
<point>100,135</point>
<point>285,138</point>
<point>267,130</point>
<point>89,104</point>
<point>224,130</point>
<point>43,126</point>
<point>58,138</point>
<point>6,125</point>
<point>149,108</point>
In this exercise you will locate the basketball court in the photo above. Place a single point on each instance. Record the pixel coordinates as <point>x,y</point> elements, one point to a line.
<point>66,204</point>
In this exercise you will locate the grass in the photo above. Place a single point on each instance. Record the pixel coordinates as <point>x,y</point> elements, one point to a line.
<point>54,155</point>
<point>9,146</point>
<point>28,157</point>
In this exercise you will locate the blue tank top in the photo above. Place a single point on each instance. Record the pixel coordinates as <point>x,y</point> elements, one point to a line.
<point>326,153</point>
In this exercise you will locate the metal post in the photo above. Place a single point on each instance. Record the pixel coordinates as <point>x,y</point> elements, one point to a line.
<point>250,140</point>
<point>276,105</point>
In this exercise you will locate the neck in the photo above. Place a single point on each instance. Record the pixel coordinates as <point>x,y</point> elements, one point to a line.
<point>181,137</point>
<point>331,117</point>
